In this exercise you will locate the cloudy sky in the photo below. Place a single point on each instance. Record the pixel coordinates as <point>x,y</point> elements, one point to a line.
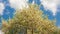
<point>50,7</point>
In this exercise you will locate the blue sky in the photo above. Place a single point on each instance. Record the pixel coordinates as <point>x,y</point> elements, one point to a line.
<point>8,11</point>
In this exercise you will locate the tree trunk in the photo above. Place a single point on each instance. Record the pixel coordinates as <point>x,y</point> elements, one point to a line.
<point>25,31</point>
<point>32,30</point>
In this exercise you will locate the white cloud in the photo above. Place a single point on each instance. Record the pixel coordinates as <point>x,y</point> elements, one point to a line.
<point>18,4</point>
<point>50,4</point>
<point>1,8</point>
